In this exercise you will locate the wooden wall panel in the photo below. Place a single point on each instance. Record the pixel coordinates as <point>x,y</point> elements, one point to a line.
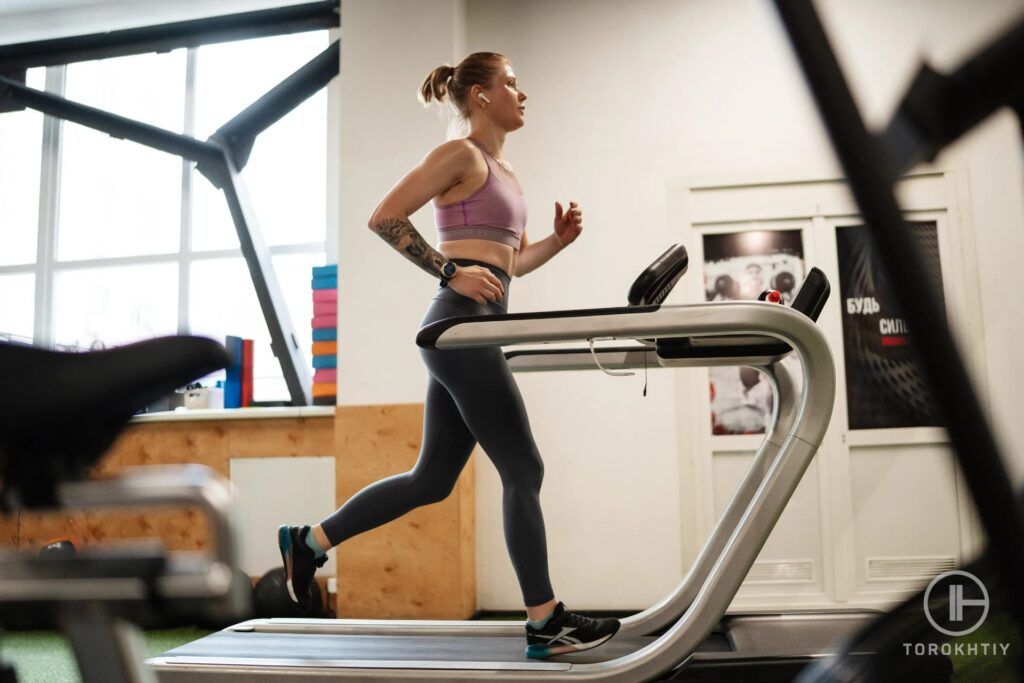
<point>8,530</point>
<point>281,438</point>
<point>208,442</point>
<point>178,528</point>
<point>466,492</point>
<point>421,566</point>
<point>412,567</point>
<point>167,443</point>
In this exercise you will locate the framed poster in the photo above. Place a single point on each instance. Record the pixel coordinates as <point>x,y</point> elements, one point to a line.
<point>885,386</point>
<point>739,266</point>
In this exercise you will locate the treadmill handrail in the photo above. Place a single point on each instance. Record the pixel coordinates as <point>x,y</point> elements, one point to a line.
<point>429,334</point>
<point>809,301</point>
<point>623,322</point>
<point>720,319</point>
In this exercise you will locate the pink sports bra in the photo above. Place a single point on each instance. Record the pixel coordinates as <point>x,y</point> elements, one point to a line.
<point>494,212</point>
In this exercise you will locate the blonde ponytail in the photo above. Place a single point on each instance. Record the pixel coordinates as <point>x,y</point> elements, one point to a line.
<point>437,84</point>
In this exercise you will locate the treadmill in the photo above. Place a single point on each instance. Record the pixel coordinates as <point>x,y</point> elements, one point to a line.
<point>687,635</point>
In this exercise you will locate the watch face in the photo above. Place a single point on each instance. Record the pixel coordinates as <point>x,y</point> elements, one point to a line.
<point>448,270</point>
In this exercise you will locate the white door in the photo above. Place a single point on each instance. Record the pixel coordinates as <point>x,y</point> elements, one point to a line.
<point>882,508</point>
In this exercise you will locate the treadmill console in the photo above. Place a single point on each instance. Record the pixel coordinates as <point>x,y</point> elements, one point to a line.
<point>813,294</point>
<point>658,279</point>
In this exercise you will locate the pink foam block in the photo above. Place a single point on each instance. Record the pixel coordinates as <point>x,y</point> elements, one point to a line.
<point>320,321</point>
<point>325,376</point>
<point>325,308</point>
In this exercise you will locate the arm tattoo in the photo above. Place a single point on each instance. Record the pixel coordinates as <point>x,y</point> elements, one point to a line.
<point>401,235</point>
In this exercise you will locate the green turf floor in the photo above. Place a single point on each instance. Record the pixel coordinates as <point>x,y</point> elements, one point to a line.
<point>998,630</point>
<point>45,657</point>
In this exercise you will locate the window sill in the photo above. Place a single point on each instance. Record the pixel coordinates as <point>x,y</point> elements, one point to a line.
<point>235,414</point>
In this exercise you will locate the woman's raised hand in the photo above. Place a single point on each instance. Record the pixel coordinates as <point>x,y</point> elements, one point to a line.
<point>568,224</point>
<point>477,283</point>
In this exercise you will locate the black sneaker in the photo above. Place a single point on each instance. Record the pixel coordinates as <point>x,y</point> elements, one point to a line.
<point>566,632</point>
<point>299,563</point>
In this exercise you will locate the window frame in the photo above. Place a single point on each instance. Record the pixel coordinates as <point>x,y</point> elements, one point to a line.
<point>47,267</point>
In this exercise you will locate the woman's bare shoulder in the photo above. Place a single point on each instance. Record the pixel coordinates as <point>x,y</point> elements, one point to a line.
<point>460,150</point>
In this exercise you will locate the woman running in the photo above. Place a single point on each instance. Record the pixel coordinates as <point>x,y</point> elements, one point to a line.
<point>471,395</point>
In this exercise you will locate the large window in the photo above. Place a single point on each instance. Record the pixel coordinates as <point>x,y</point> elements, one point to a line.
<point>21,136</point>
<point>104,241</point>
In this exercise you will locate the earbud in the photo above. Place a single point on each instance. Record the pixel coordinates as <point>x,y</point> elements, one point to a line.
<point>484,97</point>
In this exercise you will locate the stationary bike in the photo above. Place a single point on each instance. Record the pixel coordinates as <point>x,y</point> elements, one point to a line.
<point>59,414</point>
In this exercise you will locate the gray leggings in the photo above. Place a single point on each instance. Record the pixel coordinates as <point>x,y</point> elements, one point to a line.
<point>471,397</point>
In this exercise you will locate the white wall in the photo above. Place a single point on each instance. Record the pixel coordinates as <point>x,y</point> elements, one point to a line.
<point>387,49</point>
<point>626,98</point>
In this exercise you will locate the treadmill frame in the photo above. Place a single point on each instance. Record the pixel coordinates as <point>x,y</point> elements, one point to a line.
<point>737,548</point>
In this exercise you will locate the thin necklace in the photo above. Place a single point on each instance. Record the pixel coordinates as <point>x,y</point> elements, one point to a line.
<point>505,166</point>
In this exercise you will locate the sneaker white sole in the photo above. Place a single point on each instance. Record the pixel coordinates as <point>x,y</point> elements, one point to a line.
<point>284,542</point>
<point>545,651</point>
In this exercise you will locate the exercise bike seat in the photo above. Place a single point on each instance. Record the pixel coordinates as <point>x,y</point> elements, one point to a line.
<point>60,412</point>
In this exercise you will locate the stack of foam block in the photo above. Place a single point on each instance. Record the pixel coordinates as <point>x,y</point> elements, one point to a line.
<point>325,335</point>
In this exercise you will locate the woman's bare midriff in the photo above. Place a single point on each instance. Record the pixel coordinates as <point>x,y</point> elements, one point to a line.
<point>497,254</point>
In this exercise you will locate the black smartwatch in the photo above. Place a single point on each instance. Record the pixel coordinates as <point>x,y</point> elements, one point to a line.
<point>448,271</point>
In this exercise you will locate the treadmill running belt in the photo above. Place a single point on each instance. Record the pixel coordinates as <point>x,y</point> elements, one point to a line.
<point>322,650</point>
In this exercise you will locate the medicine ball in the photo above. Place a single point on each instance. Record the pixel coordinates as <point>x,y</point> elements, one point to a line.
<point>271,599</point>
<point>60,548</point>
<point>245,583</point>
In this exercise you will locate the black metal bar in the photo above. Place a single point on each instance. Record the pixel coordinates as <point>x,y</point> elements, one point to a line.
<point>18,76</point>
<point>164,38</point>
<point>939,108</point>
<point>240,132</point>
<point>872,182</point>
<point>283,341</point>
<point>112,124</point>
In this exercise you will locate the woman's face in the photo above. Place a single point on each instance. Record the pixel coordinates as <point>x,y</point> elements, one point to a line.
<point>506,107</point>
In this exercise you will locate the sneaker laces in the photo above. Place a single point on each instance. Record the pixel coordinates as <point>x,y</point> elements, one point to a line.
<point>581,621</point>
